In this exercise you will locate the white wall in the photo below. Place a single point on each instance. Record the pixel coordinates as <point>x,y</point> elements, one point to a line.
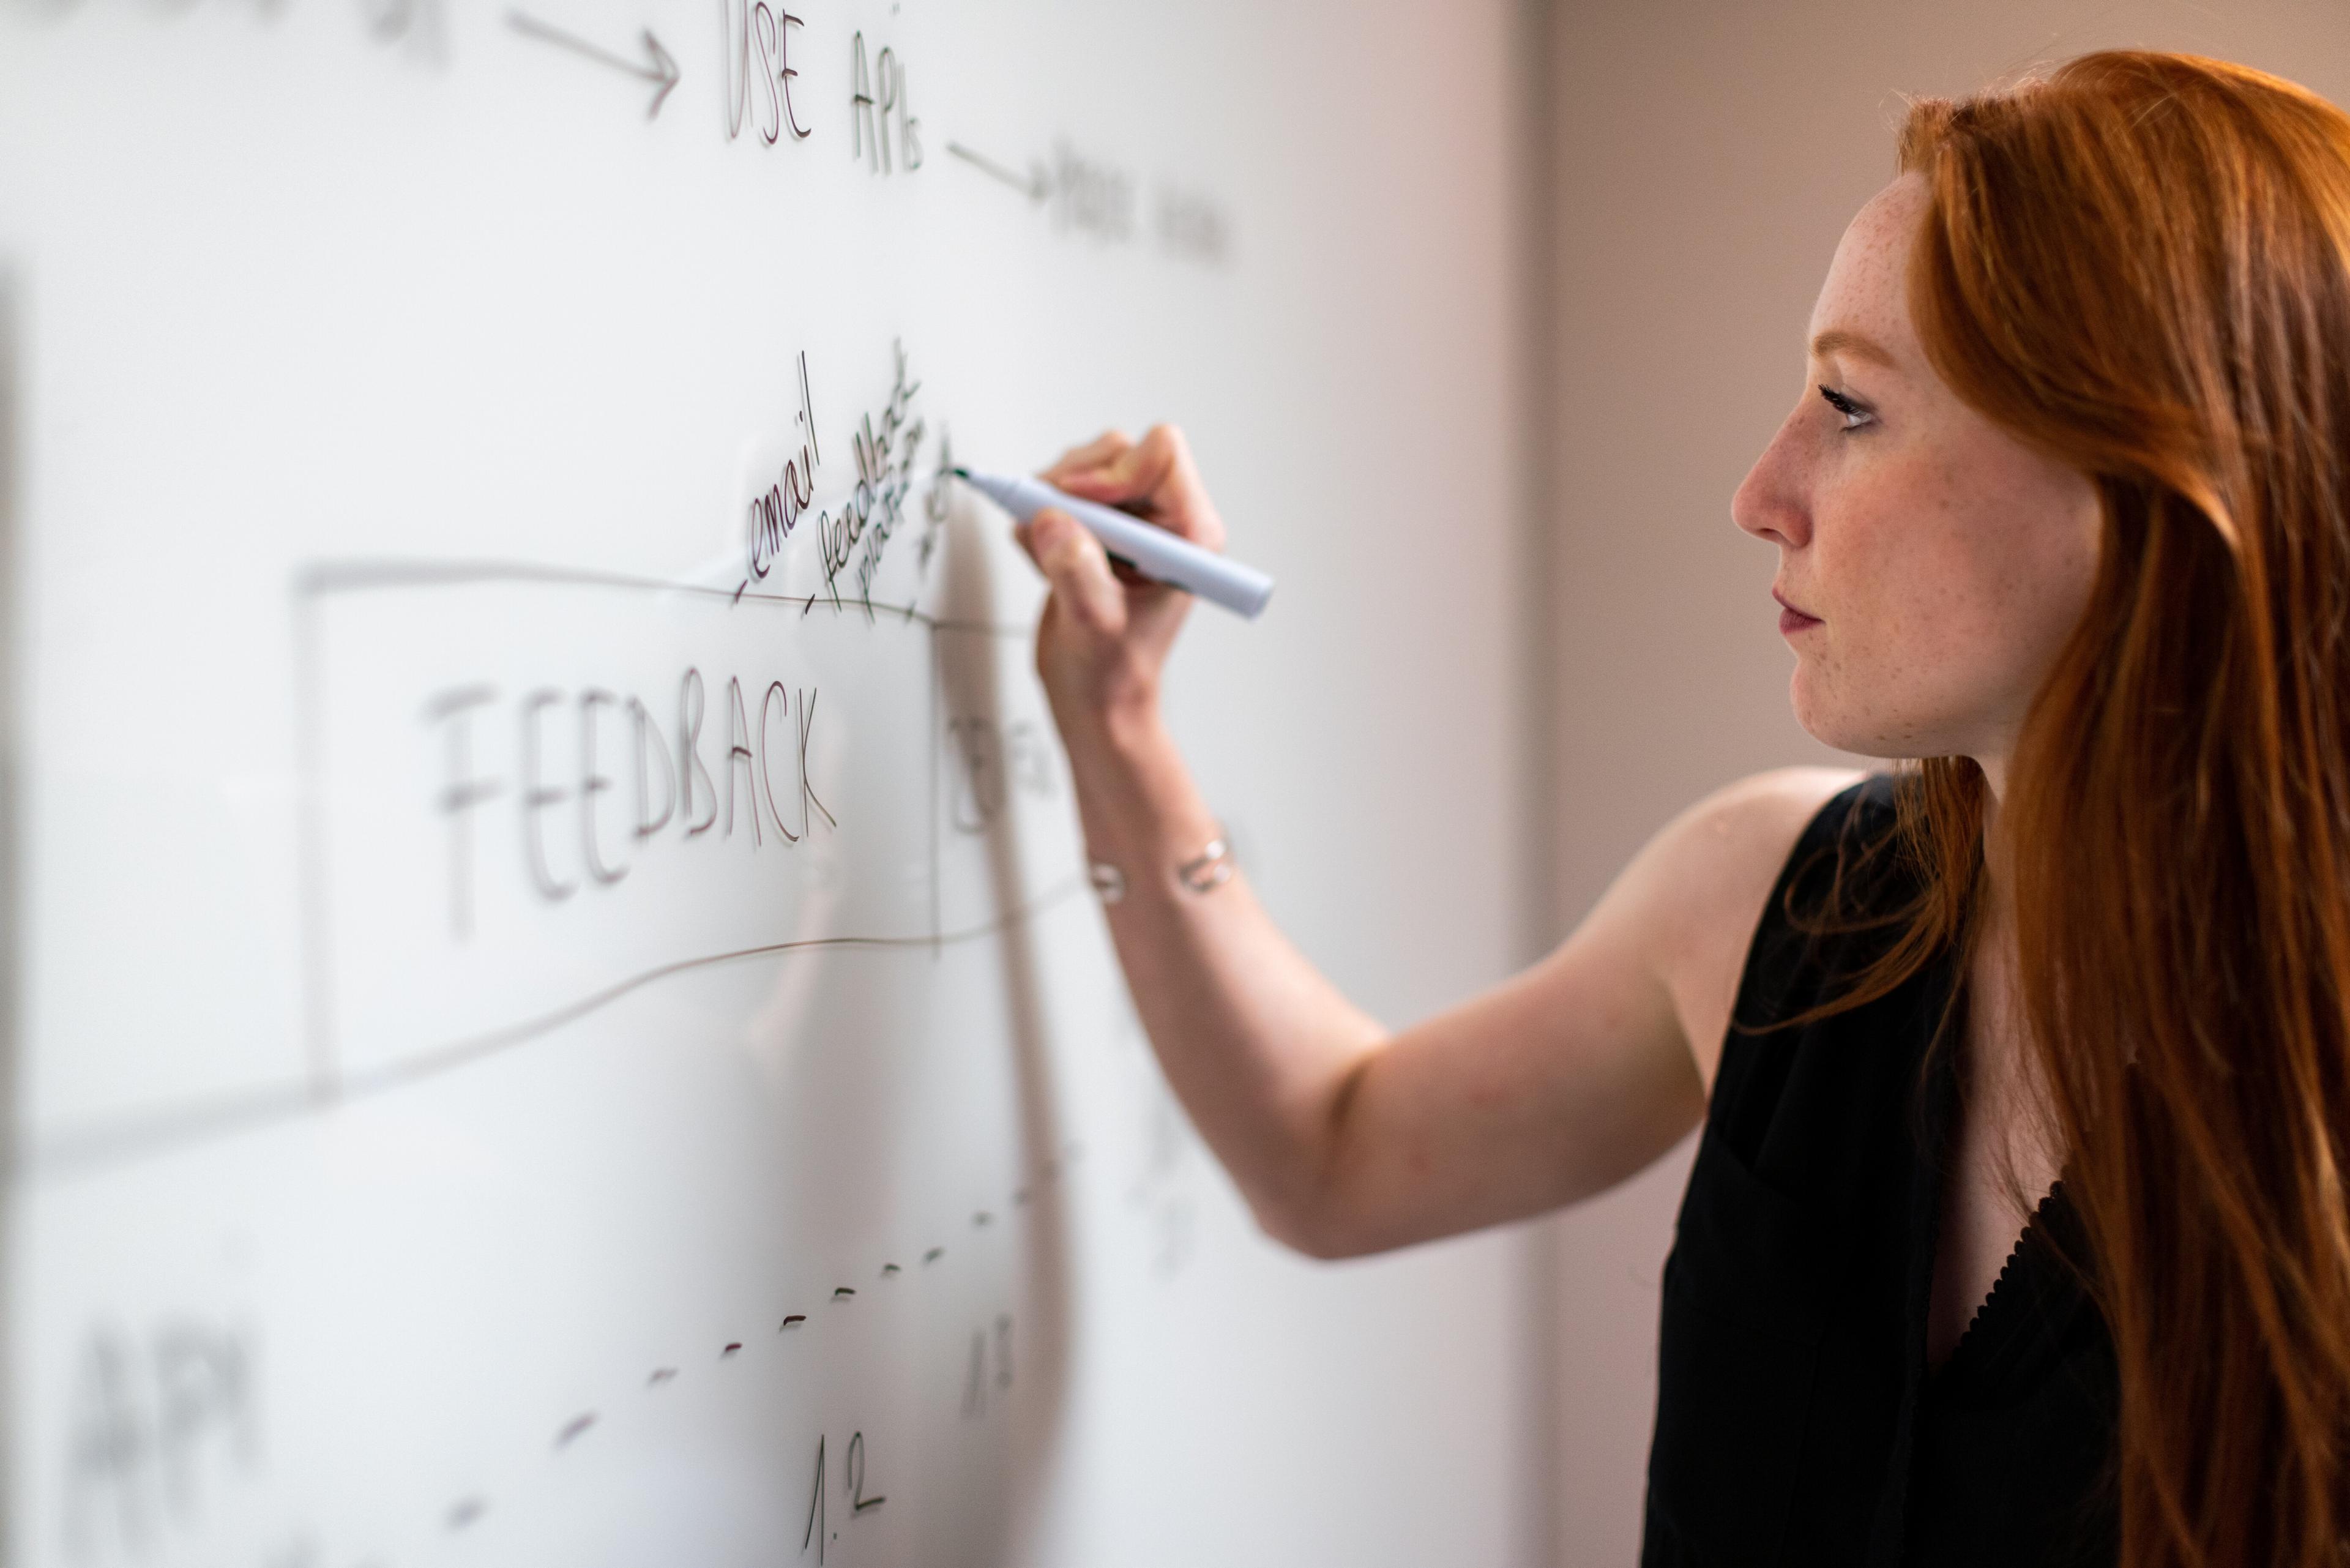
<point>1707,155</point>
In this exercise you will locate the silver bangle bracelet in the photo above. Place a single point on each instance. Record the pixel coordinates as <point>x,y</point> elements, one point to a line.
<point>1208,870</point>
<point>1203,873</point>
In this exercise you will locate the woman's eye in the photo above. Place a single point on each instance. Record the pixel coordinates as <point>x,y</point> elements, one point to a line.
<point>1855,414</point>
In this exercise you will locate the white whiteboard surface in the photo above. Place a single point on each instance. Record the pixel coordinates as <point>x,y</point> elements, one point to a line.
<point>483,1096</point>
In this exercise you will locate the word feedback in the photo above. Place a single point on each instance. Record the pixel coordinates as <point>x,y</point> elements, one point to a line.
<point>567,748</point>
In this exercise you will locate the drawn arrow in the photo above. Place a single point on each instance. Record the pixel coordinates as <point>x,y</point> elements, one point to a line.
<point>1036,184</point>
<point>658,67</point>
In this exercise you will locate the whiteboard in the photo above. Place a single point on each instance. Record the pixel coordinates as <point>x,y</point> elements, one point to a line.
<point>556,1013</point>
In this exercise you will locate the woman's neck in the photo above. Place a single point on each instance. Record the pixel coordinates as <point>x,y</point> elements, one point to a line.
<point>1998,870</point>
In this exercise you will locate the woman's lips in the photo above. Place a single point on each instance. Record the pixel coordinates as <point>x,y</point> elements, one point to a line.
<point>1792,620</point>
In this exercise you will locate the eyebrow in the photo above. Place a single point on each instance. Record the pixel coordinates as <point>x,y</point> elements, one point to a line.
<point>1839,340</point>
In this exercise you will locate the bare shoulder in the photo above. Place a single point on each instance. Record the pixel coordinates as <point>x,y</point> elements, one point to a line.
<point>1705,877</point>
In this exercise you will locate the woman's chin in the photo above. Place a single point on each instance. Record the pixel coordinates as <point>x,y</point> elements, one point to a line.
<point>1815,710</point>
<point>1837,723</point>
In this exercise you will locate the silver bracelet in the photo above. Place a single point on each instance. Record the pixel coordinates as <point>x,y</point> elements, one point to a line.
<point>1203,873</point>
<point>1208,870</point>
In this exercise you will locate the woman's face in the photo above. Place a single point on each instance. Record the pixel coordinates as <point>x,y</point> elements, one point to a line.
<point>1933,564</point>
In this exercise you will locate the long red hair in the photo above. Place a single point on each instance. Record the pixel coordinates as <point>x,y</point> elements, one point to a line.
<point>2141,265</point>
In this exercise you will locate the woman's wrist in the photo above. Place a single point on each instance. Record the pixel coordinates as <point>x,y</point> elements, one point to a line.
<point>1113,723</point>
<point>1141,812</point>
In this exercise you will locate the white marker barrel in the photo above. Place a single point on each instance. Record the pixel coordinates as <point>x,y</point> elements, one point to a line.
<point>1153,551</point>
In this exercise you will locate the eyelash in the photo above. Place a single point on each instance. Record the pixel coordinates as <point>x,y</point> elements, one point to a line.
<point>1856,414</point>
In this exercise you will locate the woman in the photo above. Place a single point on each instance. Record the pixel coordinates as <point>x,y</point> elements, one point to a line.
<point>2063,513</point>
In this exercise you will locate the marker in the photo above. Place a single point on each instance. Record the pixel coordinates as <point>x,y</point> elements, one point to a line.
<point>1154,551</point>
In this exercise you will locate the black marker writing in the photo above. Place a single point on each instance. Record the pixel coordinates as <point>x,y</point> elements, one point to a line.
<point>648,740</point>
<point>533,797</point>
<point>979,797</point>
<point>1036,184</point>
<point>658,69</point>
<point>975,1380</point>
<point>766,758</point>
<point>593,783</point>
<point>758,32</point>
<point>861,108</point>
<point>1190,226</point>
<point>807,789</point>
<point>872,102</point>
<point>148,1421</point>
<point>772,517</point>
<point>688,755</point>
<point>936,502</point>
<point>820,1532</point>
<point>460,795</point>
<point>418,24</point>
<point>885,448</point>
<point>738,755</point>
<point>818,1525</point>
<point>857,1502</point>
<point>1030,755</point>
<point>1093,198</point>
<point>552,773</point>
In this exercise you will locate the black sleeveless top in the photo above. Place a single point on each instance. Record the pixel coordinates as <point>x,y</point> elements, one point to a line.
<point>1797,1421</point>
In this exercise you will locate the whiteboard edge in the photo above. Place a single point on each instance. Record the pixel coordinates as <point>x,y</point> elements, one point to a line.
<point>1534,41</point>
<point>12,634</point>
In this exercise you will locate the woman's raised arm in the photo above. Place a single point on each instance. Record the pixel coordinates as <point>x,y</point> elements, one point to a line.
<point>1345,1138</point>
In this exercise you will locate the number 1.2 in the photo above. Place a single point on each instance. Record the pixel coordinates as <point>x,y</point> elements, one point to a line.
<point>818,1533</point>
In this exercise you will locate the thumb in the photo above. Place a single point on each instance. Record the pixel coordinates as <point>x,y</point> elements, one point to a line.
<point>1078,568</point>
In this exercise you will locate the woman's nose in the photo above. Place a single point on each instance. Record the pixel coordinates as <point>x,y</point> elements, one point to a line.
<point>1769,503</point>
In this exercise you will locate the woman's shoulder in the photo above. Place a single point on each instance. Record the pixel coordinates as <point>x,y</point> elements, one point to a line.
<point>1768,813</point>
<point>1717,866</point>
<point>1734,845</point>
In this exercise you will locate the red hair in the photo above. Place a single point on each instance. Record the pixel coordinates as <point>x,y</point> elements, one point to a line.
<point>2141,265</point>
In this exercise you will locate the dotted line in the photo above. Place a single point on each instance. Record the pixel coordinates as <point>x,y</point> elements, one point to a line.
<point>470,1510</point>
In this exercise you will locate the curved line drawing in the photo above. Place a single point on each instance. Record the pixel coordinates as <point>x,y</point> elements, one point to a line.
<point>126,1141</point>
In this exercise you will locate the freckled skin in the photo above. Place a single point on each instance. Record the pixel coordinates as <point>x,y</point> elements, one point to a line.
<point>1946,559</point>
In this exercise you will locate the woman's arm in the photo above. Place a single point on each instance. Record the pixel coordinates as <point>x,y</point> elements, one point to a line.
<point>1345,1140</point>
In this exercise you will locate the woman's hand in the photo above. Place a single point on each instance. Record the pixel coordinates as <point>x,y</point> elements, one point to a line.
<point>1104,632</point>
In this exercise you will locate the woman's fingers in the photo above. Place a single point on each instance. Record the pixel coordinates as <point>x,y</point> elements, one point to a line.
<point>1104,631</point>
<point>1102,450</point>
<point>1156,476</point>
<point>1074,562</point>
